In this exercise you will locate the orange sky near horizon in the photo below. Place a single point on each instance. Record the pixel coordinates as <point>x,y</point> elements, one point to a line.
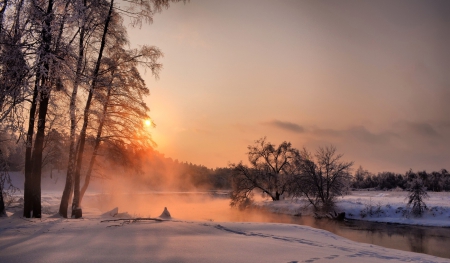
<point>370,77</point>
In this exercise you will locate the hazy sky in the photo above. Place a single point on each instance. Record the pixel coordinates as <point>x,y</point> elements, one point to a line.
<point>370,77</point>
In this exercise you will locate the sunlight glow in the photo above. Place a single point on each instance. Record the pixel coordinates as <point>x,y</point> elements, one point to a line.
<point>148,123</point>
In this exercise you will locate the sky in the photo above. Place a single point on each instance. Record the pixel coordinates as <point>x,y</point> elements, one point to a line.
<point>369,77</point>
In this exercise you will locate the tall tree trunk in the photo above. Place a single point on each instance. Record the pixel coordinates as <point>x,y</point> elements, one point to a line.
<point>37,155</point>
<point>36,172</point>
<point>277,196</point>
<point>76,209</point>
<point>27,195</point>
<point>68,188</point>
<point>97,142</point>
<point>2,203</point>
<point>3,171</point>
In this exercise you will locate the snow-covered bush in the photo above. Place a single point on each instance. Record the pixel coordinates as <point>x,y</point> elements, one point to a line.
<point>417,192</point>
<point>372,210</point>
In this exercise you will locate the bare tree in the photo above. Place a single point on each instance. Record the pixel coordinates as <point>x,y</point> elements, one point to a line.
<point>323,179</point>
<point>89,19</point>
<point>272,171</point>
<point>416,196</point>
<point>138,10</point>
<point>120,99</point>
<point>14,69</point>
<point>41,96</point>
<point>49,17</point>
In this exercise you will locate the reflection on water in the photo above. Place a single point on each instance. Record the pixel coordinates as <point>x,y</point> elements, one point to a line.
<point>215,207</point>
<point>429,240</point>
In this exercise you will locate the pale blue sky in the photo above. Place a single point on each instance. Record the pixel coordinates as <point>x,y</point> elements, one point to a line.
<point>370,77</point>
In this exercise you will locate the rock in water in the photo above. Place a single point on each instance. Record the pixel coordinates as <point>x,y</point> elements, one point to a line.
<point>165,214</point>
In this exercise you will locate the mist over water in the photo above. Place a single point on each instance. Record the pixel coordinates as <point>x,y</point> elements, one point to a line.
<point>210,206</point>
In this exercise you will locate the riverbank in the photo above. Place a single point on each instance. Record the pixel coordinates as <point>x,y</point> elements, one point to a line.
<point>374,206</point>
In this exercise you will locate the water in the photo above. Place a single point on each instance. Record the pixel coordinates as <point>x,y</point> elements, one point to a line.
<point>215,207</point>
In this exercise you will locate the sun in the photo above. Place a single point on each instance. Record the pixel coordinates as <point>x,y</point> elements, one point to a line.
<point>148,123</point>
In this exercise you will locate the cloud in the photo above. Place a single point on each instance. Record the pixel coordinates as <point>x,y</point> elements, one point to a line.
<point>423,129</point>
<point>327,132</point>
<point>285,125</point>
<point>365,135</point>
<point>359,133</point>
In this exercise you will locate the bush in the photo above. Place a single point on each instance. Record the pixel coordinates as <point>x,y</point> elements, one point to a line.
<point>417,192</point>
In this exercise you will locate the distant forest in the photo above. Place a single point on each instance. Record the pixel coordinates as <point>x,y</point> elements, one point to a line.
<point>434,181</point>
<point>150,169</point>
<point>146,168</point>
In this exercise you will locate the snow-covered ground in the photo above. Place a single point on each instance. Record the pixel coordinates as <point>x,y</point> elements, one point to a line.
<point>91,240</point>
<point>54,239</point>
<point>377,206</point>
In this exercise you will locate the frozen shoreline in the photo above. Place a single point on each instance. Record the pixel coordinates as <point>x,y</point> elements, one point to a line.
<point>375,206</point>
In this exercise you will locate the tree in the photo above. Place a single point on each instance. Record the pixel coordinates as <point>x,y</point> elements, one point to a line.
<point>120,99</point>
<point>6,186</point>
<point>323,178</point>
<point>51,63</point>
<point>14,70</point>
<point>138,10</point>
<point>360,178</point>
<point>41,96</point>
<point>272,171</point>
<point>89,17</point>
<point>417,192</point>
<point>87,22</point>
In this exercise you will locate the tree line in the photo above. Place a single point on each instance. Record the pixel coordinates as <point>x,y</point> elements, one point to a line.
<point>148,169</point>
<point>436,181</point>
<point>65,67</point>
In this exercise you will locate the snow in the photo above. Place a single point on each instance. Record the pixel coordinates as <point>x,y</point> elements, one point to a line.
<point>376,206</point>
<point>392,206</point>
<point>112,212</point>
<point>90,240</point>
<point>165,214</point>
<point>95,239</point>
